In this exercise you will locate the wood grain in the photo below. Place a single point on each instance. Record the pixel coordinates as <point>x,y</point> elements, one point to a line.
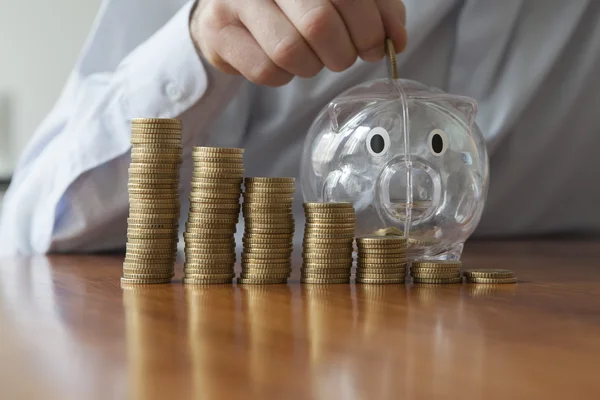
<point>69,331</point>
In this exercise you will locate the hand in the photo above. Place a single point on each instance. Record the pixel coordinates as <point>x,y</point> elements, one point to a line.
<point>271,41</point>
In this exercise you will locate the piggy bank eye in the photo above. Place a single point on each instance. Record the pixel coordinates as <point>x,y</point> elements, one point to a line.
<point>438,142</point>
<point>378,141</point>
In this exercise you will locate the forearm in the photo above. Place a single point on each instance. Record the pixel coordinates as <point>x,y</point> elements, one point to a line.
<point>70,189</point>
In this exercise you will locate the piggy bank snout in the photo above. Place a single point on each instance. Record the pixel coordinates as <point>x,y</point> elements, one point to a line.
<point>397,186</point>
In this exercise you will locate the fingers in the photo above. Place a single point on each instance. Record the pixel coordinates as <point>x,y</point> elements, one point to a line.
<point>236,46</point>
<point>324,30</point>
<point>279,39</point>
<point>363,22</point>
<point>393,15</point>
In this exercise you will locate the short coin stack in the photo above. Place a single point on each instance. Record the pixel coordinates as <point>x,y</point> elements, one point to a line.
<point>381,259</point>
<point>153,223</point>
<point>269,230</point>
<point>490,276</point>
<point>436,272</point>
<point>210,253</point>
<point>328,243</point>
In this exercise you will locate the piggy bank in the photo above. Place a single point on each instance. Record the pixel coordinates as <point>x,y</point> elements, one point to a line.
<point>410,158</point>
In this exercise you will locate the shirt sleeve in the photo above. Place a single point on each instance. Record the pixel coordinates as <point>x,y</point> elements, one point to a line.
<point>69,190</point>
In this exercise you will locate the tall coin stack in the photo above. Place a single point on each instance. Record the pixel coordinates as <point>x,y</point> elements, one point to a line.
<point>381,259</point>
<point>269,230</point>
<point>153,223</point>
<point>328,243</point>
<point>214,213</point>
<point>436,272</point>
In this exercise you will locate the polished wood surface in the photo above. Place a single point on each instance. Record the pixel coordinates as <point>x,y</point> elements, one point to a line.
<point>69,331</point>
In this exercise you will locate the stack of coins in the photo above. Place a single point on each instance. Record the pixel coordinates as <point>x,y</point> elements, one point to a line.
<point>153,223</point>
<point>490,276</point>
<point>214,214</point>
<point>328,243</point>
<point>436,272</point>
<point>269,230</point>
<point>381,259</point>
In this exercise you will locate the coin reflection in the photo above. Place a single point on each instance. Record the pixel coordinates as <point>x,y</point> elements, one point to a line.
<point>267,311</point>
<point>147,346</point>
<point>211,318</point>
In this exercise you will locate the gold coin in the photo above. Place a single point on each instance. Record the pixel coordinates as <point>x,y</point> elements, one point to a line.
<point>152,222</point>
<point>309,228</point>
<point>156,127</point>
<point>395,253</point>
<point>201,150</point>
<point>160,257</point>
<point>144,135</point>
<point>256,260</point>
<point>264,275</point>
<point>325,275</point>
<point>326,270</point>
<point>145,281</point>
<point>215,188</point>
<point>152,242</point>
<point>156,143</point>
<point>208,241</point>
<point>381,262</point>
<point>391,59</point>
<point>261,180</point>
<point>336,225</point>
<point>327,242</point>
<point>267,269</point>
<point>326,206</point>
<point>218,180</point>
<point>436,264</point>
<point>158,121</point>
<point>219,159</point>
<point>227,248</point>
<point>330,221</point>
<point>263,242</point>
<point>436,275</point>
<point>216,175</point>
<point>148,276</point>
<point>382,240</point>
<point>332,264</point>
<point>334,214</point>
<point>263,281</point>
<point>170,158</point>
<point>210,275</point>
<point>268,246</point>
<point>211,168</point>
<point>384,271</point>
<point>258,225</point>
<point>256,266</point>
<point>149,235</point>
<point>164,245</point>
<point>489,273</point>
<point>382,281</point>
<point>209,264</point>
<point>230,224</point>
<point>270,218</point>
<point>423,241</point>
<point>346,252</point>
<point>269,191</point>
<point>319,236</point>
<point>207,271</point>
<point>149,272</point>
<point>154,167</point>
<point>379,275</point>
<point>270,231</point>
<point>207,281</point>
<point>310,257</point>
<point>325,281</point>
<point>207,198</point>
<point>151,180</point>
<point>279,237</point>
<point>273,208</point>
<point>154,150</point>
<point>199,229</point>
<point>437,280</point>
<point>153,214</point>
<point>203,236</point>
<point>219,205</point>
<point>492,280</point>
<point>269,250</point>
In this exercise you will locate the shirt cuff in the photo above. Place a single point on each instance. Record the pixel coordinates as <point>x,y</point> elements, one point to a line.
<point>165,76</point>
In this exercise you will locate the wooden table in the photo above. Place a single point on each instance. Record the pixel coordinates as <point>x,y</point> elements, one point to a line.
<point>68,331</point>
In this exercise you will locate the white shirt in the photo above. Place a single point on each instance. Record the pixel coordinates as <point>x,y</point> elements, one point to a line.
<point>533,66</point>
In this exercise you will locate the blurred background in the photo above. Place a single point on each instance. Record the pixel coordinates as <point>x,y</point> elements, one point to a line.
<point>51,36</point>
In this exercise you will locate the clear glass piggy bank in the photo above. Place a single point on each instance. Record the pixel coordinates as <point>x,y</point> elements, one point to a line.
<point>410,158</point>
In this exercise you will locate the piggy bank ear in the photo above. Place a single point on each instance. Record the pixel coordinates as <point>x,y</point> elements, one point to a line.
<point>466,106</point>
<point>346,109</point>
